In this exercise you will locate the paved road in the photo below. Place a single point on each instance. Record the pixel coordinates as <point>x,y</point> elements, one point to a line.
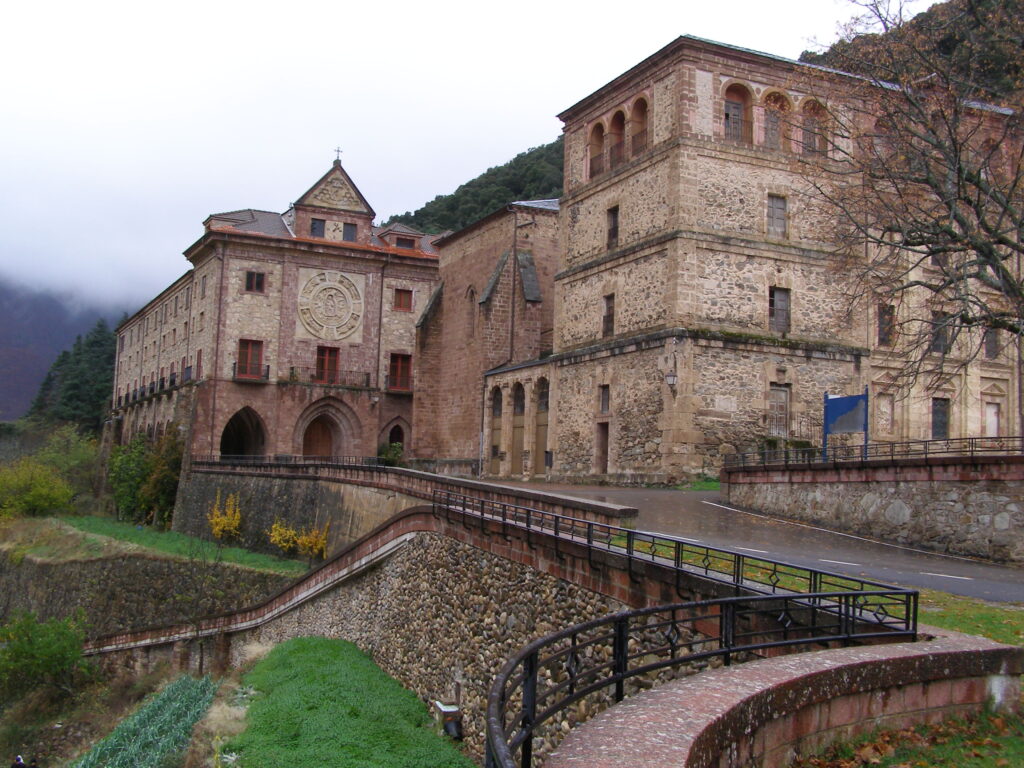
<point>704,517</point>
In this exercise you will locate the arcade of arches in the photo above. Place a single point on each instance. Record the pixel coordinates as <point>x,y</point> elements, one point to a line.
<point>518,429</point>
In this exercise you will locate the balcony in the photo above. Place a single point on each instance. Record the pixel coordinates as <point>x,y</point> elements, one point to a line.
<point>152,387</point>
<point>163,383</point>
<point>186,375</point>
<point>639,140</point>
<point>740,131</point>
<point>399,384</point>
<point>329,377</point>
<point>172,380</point>
<point>254,372</point>
<point>616,154</point>
<point>596,165</point>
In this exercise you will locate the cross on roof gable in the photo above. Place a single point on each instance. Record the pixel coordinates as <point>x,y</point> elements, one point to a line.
<point>336,190</point>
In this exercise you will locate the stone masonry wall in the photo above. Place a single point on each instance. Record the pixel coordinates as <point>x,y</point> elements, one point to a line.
<point>440,613</point>
<point>921,508</point>
<point>132,592</point>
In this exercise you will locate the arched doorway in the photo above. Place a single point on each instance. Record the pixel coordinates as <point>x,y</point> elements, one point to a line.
<point>243,435</point>
<point>397,435</point>
<point>518,427</point>
<point>318,439</point>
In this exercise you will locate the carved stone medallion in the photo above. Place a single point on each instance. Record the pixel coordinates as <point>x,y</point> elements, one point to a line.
<point>330,306</point>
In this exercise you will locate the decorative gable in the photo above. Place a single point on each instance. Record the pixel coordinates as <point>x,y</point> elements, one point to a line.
<point>335,190</point>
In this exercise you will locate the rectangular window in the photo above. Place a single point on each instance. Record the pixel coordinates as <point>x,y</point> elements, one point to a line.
<point>940,334</point>
<point>613,227</point>
<point>199,363</point>
<point>176,304</point>
<point>120,344</point>
<point>405,242</point>
<point>202,320</point>
<point>990,343</point>
<point>735,127</point>
<point>188,297</point>
<point>348,232</point>
<point>250,359</point>
<point>202,288</point>
<point>608,319</point>
<point>886,324</point>
<point>940,418</point>
<point>317,227</point>
<point>400,373</point>
<point>777,215</point>
<point>605,396</point>
<point>402,300</point>
<point>992,420</point>
<point>254,282</point>
<point>327,365</point>
<point>939,260</point>
<point>778,309</point>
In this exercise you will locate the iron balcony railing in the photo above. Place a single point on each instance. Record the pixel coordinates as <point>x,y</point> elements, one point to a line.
<point>639,140</point>
<point>596,165</point>
<point>250,372</point>
<point>398,383</point>
<point>736,129</point>
<point>608,658</point>
<point>330,377</point>
<point>758,575</point>
<point>913,449</point>
<point>616,154</point>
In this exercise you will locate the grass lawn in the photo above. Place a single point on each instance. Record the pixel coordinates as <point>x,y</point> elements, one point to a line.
<point>180,545</point>
<point>323,702</point>
<point>1003,622</point>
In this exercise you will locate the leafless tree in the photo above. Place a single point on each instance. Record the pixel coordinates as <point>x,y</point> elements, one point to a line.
<point>919,159</point>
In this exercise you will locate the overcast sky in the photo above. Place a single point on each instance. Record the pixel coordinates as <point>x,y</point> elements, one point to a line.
<point>124,124</point>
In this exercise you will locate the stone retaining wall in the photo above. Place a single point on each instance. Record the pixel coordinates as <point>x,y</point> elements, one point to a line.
<point>969,507</point>
<point>128,592</point>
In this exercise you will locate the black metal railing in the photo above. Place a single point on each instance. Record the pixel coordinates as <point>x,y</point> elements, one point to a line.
<point>250,372</point>
<point>398,383</point>
<point>616,154</point>
<point>639,140</point>
<point>330,377</point>
<point>276,459</point>
<point>606,659</point>
<point>757,575</point>
<point>913,449</point>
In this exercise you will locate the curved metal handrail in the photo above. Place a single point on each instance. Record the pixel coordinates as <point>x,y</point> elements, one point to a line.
<point>598,657</point>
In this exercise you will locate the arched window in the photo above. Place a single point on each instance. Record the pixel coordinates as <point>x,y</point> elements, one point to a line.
<point>617,139</point>
<point>540,429</point>
<point>596,146</point>
<point>776,122</point>
<point>495,452</point>
<point>638,127</point>
<point>815,138</point>
<point>737,125</point>
<point>397,435</point>
<point>496,403</point>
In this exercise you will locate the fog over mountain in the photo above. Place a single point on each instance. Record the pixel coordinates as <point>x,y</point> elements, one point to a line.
<point>36,326</point>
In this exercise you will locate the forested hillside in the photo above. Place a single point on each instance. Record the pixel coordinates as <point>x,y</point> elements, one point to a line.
<point>532,175</point>
<point>36,325</point>
<point>997,73</point>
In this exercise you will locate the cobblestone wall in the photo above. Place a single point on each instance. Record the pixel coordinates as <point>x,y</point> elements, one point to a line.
<point>440,614</point>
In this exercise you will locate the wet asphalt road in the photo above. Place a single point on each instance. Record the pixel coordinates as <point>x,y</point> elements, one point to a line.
<point>706,518</point>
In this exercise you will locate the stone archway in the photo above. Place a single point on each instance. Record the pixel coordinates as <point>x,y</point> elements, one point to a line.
<point>328,427</point>
<point>244,435</point>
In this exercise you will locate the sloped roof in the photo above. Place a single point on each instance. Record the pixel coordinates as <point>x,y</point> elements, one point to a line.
<point>551,204</point>
<point>251,220</point>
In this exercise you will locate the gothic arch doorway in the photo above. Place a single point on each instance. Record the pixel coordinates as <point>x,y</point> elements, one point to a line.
<point>319,437</point>
<point>397,435</point>
<point>243,435</point>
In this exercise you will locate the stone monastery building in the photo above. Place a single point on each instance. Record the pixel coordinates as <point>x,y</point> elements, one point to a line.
<point>681,301</point>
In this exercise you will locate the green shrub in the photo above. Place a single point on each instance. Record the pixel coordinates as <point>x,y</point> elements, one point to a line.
<point>160,488</point>
<point>74,455</point>
<point>37,653</point>
<point>128,470</point>
<point>28,487</point>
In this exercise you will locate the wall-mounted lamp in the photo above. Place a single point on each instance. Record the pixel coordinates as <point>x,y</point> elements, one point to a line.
<point>671,379</point>
<point>374,399</point>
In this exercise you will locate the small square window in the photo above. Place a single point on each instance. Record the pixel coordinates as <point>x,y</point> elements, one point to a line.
<point>317,227</point>
<point>403,300</point>
<point>348,232</point>
<point>254,282</point>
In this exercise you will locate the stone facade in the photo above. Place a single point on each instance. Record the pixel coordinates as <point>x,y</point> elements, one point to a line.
<point>292,333</point>
<point>700,305</point>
